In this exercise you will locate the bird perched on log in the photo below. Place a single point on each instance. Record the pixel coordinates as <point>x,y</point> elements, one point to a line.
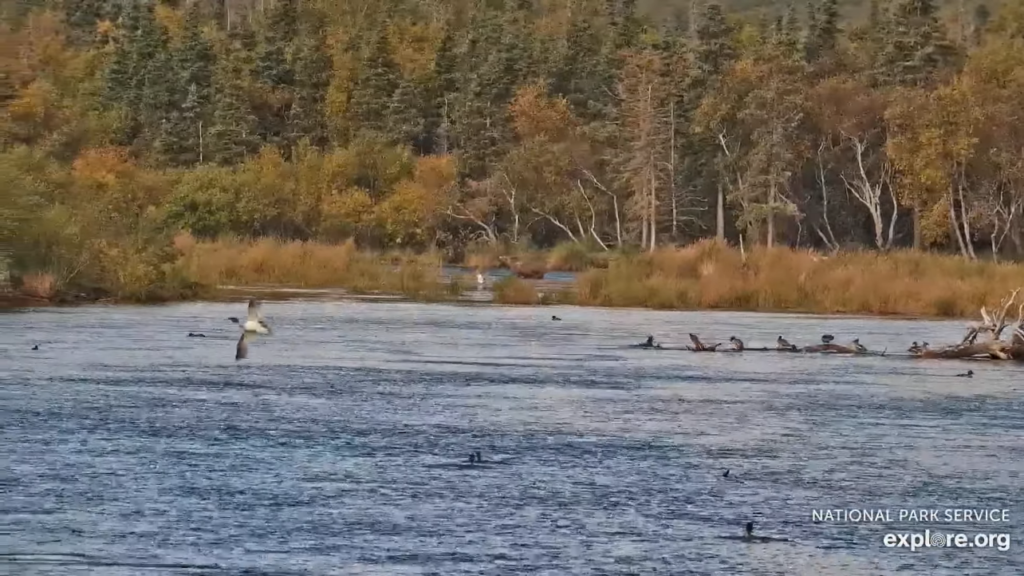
<point>914,348</point>
<point>649,343</point>
<point>737,344</point>
<point>784,344</point>
<point>827,338</point>
<point>858,346</point>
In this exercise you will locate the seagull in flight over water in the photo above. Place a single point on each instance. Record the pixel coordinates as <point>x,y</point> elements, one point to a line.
<point>254,322</point>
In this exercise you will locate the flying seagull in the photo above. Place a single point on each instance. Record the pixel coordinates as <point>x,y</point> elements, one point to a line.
<point>242,349</point>
<point>254,322</point>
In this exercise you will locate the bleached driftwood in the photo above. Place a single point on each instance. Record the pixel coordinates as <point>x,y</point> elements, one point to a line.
<point>699,346</point>
<point>994,347</point>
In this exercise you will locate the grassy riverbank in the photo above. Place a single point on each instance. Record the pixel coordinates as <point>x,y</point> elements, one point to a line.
<point>705,275</point>
<point>709,275</point>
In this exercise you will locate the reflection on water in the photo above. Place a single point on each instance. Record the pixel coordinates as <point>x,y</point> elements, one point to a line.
<point>129,447</point>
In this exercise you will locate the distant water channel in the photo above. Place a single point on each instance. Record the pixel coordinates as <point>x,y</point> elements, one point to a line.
<point>127,448</point>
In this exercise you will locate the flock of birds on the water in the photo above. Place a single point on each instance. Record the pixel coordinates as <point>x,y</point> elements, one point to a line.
<point>254,324</point>
<point>784,345</point>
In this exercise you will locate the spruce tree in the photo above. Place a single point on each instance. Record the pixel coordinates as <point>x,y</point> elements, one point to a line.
<point>442,92</point>
<point>137,80</point>
<point>406,122</point>
<point>195,57</point>
<point>374,87</point>
<point>715,51</point>
<point>585,75</point>
<point>312,77</point>
<point>180,141</point>
<point>233,132</point>
<point>915,48</point>
<point>82,17</point>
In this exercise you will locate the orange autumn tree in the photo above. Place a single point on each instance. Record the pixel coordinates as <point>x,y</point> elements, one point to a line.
<point>410,214</point>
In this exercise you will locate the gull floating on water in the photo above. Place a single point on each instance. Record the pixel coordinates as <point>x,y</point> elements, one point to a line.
<point>254,322</point>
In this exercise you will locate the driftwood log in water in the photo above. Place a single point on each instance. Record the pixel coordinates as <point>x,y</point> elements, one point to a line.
<point>973,346</point>
<point>994,347</point>
<point>699,346</point>
<point>840,349</point>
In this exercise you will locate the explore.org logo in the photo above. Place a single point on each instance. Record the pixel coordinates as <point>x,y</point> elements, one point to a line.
<point>916,540</point>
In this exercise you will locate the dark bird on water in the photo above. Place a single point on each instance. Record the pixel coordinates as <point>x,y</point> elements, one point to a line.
<point>736,342</point>
<point>36,347</point>
<point>649,343</point>
<point>242,349</point>
<point>827,338</point>
<point>472,458</point>
<point>726,473</point>
<point>196,335</point>
<point>968,374</point>
<point>556,318</point>
<point>748,535</point>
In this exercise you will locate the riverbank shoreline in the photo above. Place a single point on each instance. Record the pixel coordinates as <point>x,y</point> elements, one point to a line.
<point>706,275</point>
<point>15,303</point>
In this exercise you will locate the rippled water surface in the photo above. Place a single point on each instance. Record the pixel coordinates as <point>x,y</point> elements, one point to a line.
<point>128,448</point>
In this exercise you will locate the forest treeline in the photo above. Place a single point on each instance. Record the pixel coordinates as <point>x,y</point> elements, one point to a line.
<point>443,124</point>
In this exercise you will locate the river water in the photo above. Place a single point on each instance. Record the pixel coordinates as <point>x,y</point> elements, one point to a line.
<point>128,448</point>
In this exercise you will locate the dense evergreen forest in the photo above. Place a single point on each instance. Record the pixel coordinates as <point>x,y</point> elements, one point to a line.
<point>442,123</point>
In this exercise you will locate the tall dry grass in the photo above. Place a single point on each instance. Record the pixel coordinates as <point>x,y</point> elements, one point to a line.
<point>38,285</point>
<point>712,275</point>
<point>312,265</point>
<point>705,275</point>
